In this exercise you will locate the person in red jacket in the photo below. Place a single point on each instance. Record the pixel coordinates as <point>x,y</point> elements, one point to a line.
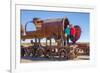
<point>72,33</point>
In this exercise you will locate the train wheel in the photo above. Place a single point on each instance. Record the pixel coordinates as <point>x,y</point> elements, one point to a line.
<point>52,53</point>
<point>22,52</point>
<point>71,54</point>
<point>47,53</point>
<point>62,54</point>
<point>40,53</point>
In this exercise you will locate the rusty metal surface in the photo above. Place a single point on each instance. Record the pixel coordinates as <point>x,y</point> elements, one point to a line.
<point>50,27</point>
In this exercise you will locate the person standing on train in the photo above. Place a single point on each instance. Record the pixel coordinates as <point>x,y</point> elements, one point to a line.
<point>72,33</point>
<point>67,33</point>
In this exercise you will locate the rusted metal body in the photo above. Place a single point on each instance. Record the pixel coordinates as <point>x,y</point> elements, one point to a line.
<point>49,28</point>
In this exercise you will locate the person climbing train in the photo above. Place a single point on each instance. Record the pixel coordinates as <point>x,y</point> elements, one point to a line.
<point>72,33</point>
<point>67,33</point>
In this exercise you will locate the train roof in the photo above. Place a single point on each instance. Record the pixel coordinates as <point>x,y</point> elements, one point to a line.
<point>53,20</point>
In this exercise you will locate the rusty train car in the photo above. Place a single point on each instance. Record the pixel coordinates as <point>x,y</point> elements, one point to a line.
<point>49,28</point>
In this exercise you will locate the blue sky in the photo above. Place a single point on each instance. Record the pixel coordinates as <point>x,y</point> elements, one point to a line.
<point>75,18</point>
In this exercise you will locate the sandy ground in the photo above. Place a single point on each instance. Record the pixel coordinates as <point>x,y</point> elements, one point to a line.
<point>82,58</point>
<point>30,61</point>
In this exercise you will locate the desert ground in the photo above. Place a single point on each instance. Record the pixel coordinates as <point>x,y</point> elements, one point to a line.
<point>43,60</point>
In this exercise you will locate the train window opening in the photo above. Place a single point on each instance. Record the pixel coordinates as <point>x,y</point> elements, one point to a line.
<point>31,27</point>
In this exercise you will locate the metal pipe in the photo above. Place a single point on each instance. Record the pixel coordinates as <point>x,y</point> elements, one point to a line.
<point>26,24</point>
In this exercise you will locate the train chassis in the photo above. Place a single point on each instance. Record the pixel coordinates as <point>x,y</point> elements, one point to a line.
<point>53,52</point>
